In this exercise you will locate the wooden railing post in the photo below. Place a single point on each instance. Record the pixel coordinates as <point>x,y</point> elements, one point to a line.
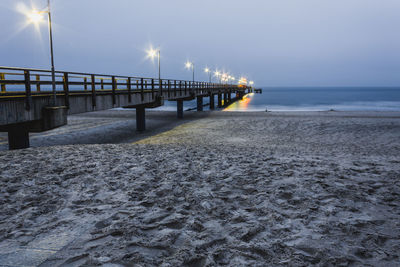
<point>145,85</point>
<point>129,87</point>
<point>102,83</point>
<point>180,88</point>
<point>3,86</point>
<point>114,88</point>
<point>185,87</point>
<point>152,88</point>
<point>142,89</point>
<point>160,82</point>
<point>28,93</point>
<point>175,88</point>
<point>93,79</point>
<point>66,89</point>
<point>85,83</point>
<point>169,87</point>
<point>37,82</point>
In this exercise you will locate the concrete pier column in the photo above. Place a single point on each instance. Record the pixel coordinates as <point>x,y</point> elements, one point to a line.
<point>212,105</point>
<point>199,103</point>
<point>179,108</point>
<point>225,99</point>
<point>230,97</point>
<point>220,100</point>
<point>18,137</point>
<point>140,119</point>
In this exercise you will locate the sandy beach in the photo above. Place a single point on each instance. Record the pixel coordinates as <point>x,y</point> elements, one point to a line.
<point>217,188</point>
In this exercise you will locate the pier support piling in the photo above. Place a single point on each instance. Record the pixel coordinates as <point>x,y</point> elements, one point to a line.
<point>179,108</point>
<point>220,100</point>
<point>199,103</point>
<point>212,105</point>
<point>18,137</point>
<point>225,99</point>
<point>140,119</point>
<point>229,97</point>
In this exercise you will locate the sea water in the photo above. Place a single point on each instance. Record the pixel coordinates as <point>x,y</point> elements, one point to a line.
<point>312,99</point>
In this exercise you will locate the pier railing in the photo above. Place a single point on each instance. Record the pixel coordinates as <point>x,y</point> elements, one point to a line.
<point>37,82</point>
<point>30,83</point>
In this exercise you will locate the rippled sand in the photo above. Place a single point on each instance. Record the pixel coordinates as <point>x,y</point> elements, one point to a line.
<point>256,189</point>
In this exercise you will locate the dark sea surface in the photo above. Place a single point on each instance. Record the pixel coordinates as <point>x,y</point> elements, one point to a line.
<point>313,99</point>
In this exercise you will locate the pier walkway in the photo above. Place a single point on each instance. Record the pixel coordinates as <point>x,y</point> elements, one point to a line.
<point>28,103</point>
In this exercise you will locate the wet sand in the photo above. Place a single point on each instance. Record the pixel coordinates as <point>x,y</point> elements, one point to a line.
<point>225,188</point>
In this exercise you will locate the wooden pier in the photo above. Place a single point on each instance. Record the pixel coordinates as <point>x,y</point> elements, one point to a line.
<point>26,98</point>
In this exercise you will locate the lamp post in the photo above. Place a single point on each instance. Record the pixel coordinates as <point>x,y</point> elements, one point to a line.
<point>189,65</point>
<point>224,77</point>
<point>35,17</point>
<point>207,70</point>
<point>242,81</point>
<point>217,74</point>
<point>152,53</point>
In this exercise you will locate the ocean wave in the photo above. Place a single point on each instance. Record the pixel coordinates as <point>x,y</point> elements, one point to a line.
<point>347,106</point>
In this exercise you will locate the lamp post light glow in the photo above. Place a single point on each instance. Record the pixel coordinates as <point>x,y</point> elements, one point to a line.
<point>232,78</point>
<point>207,70</point>
<point>152,53</point>
<point>218,75</point>
<point>243,81</point>
<point>189,65</point>
<point>251,83</point>
<point>36,17</point>
<point>224,77</point>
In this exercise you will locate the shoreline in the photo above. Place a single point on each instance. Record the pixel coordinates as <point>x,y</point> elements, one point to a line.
<point>118,125</point>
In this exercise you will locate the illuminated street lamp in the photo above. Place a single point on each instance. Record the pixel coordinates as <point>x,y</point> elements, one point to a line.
<point>232,78</point>
<point>189,65</point>
<point>207,70</point>
<point>152,53</point>
<point>243,81</point>
<point>251,83</point>
<point>36,17</point>
<point>218,75</point>
<point>224,77</point>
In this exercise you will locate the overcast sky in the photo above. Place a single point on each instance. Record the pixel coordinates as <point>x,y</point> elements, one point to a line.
<point>273,42</point>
